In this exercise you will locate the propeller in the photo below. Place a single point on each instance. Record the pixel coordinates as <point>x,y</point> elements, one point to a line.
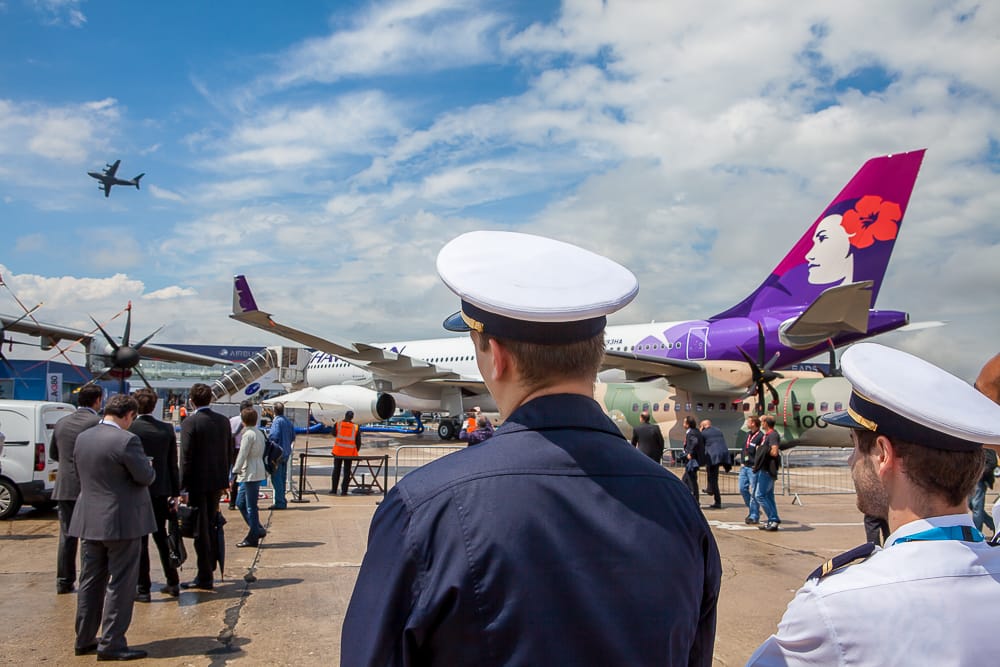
<point>124,356</point>
<point>834,371</point>
<point>762,373</point>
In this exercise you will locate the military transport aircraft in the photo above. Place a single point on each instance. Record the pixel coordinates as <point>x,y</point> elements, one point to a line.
<point>108,178</point>
<point>820,296</point>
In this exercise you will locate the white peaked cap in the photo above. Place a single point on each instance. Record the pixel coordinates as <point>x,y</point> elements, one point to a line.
<point>531,288</point>
<point>901,395</point>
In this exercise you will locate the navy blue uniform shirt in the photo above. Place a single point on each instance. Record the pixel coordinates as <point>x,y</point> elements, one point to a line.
<point>554,542</point>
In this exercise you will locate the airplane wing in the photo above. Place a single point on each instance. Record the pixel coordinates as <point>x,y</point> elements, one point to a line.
<point>53,333</point>
<point>400,370</point>
<point>643,366</point>
<point>716,378</point>
<point>111,170</point>
<point>107,188</point>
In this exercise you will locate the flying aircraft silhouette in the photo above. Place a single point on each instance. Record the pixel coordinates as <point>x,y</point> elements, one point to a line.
<point>108,178</point>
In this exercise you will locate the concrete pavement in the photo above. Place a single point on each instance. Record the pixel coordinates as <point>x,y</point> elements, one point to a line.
<point>306,567</point>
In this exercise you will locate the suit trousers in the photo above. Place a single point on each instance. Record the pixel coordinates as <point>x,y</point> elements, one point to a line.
<point>161,510</point>
<point>205,539</point>
<point>66,551</point>
<point>108,576</point>
<point>713,482</point>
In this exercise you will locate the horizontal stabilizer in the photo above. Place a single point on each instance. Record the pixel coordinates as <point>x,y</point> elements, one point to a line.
<point>839,309</point>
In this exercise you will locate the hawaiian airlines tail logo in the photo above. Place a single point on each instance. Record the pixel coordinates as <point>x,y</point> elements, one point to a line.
<point>838,238</point>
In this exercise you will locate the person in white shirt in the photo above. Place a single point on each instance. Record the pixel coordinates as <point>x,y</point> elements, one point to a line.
<point>928,596</point>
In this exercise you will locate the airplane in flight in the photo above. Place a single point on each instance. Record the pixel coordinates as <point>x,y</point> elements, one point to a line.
<point>108,178</point>
<point>819,296</point>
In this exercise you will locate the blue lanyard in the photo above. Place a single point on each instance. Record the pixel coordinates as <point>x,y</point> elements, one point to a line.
<point>962,533</point>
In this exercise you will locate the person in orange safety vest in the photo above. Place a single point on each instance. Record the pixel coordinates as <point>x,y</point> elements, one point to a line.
<point>346,442</point>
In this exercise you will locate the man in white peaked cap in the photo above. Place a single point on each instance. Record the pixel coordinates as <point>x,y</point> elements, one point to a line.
<point>555,542</point>
<point>929,595</point>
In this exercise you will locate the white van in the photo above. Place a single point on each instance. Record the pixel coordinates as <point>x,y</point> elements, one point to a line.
<point>27,474</point>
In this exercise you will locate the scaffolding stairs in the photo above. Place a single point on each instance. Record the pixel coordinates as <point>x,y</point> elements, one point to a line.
<point>290,362</point>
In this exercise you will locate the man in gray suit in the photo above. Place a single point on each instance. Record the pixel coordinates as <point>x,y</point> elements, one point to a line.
<point>67,486</point>
<point>112,514</point>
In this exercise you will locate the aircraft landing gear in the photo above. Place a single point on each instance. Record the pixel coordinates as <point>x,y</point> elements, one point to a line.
<point>447,429</point>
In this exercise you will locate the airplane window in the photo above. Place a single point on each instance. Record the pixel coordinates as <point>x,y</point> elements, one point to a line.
<point>722,406</point>
<point>677,345</point>
<point>698,407</point>
<point>635,407</point>
<point>824,407</point>
<point>810,406</point>
<point>656,407</point>
<point>838,406</point>
<point>677,407</point>
<point>711,406</point>
<point>746,407</point>
<point>645,407</point>
<point>796,407</point>
<point>687,406</point>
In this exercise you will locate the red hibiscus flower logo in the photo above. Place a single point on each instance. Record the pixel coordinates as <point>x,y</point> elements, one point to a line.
<point>872,220</point>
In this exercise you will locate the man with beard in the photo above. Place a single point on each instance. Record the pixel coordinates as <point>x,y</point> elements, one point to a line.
<point>918,433</point>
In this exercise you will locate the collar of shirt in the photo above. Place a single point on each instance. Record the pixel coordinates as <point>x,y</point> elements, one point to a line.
<point>921,525</point>
<point>89,410</point>
<point>111,423</point>
<point>559,411</point>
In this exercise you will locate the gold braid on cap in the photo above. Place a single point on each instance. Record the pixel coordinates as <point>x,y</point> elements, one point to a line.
<point>475,325</point>
<point>867,423</point>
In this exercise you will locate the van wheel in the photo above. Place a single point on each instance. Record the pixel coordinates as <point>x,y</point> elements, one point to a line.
<point>10,499</point>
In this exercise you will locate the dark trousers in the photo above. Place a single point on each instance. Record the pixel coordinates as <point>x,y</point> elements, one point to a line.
<point>337,463</point>
<point>876,529</point>
<point>66,551</point>
<point>205,538</point>
<point>690,480</point>
<point>713,482</point>
<point>108,575</point>
<point>161,510</point>
<point>234,488</point>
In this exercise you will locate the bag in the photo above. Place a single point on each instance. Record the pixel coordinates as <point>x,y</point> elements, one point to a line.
<point>273,457</point>
<point>176,553</point>
<point>187,518</point>
<point>692,466</point>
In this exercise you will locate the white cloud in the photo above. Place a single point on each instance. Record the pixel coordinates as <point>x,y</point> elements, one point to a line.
<point>60,133</point>
<point>58,12</point>
<point>172,292</point>
<point>163,193</point>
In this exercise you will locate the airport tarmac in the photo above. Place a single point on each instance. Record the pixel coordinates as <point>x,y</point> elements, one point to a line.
<point>307,565</point>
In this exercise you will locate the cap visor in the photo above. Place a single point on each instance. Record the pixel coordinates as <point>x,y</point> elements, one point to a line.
<point>841,418</point>
<point>455,323</point>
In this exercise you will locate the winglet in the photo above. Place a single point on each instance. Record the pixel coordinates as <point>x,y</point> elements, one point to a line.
<point>243,301</point>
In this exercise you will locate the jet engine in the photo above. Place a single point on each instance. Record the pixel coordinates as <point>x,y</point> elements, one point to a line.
<point>368,405</point>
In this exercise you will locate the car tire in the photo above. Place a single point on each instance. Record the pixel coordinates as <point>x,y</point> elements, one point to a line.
<point>10,499</point>
<point>446,430</point>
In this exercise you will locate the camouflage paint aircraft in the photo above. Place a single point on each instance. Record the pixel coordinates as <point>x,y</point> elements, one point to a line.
<point>803,397</point>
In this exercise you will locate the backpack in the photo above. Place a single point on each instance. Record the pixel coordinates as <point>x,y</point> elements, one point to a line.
<point>273,456</point>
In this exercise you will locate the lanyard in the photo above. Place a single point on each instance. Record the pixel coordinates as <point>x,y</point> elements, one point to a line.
<point>962,533</point>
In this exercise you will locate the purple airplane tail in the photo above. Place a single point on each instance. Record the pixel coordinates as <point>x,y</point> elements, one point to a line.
<point>850,242</point>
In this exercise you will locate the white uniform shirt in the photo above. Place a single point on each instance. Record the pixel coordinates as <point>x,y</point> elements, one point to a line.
<point>912,603</point>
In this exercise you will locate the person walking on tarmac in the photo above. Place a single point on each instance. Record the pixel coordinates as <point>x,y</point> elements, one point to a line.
<point>346,442</point>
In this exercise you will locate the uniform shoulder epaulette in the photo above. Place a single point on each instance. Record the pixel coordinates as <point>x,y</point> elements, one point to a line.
<point>856,554</point>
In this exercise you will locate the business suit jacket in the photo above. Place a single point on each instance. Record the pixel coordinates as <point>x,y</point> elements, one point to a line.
<point>206,452</point>
<point>159,441</point>
<point>114,475</point>
<point>67,486</point>
<point>649,440</point>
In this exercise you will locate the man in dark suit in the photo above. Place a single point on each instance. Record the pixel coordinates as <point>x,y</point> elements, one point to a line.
<point>694,454</point>
<point>67,486</point>
<point>648,438</point>
<point>159,442</point>
<point>206,459</point>
<point>112,513</point>
<point>717,452</point>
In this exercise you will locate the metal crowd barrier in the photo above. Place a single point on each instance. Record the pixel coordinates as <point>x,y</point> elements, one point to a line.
<point>410,457</point>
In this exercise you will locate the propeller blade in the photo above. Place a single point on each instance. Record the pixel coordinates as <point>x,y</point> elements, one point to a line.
<point>111,341</point>
<point>138,346</point>
<point>128,323</point>
<point>748,358</point>
<point>148,386</point>
<point>774,394</point>
<point>834,370</point>
<point>771,361</point>
<point>761,344</point>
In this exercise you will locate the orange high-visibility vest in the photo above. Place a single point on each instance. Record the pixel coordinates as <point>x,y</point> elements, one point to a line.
<point>470,424</point>
<point>345,440</point>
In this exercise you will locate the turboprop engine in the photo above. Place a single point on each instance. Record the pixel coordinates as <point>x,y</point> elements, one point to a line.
<point>328,404</point>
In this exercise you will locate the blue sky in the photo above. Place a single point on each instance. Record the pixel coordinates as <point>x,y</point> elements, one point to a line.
<point>328,150</point>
